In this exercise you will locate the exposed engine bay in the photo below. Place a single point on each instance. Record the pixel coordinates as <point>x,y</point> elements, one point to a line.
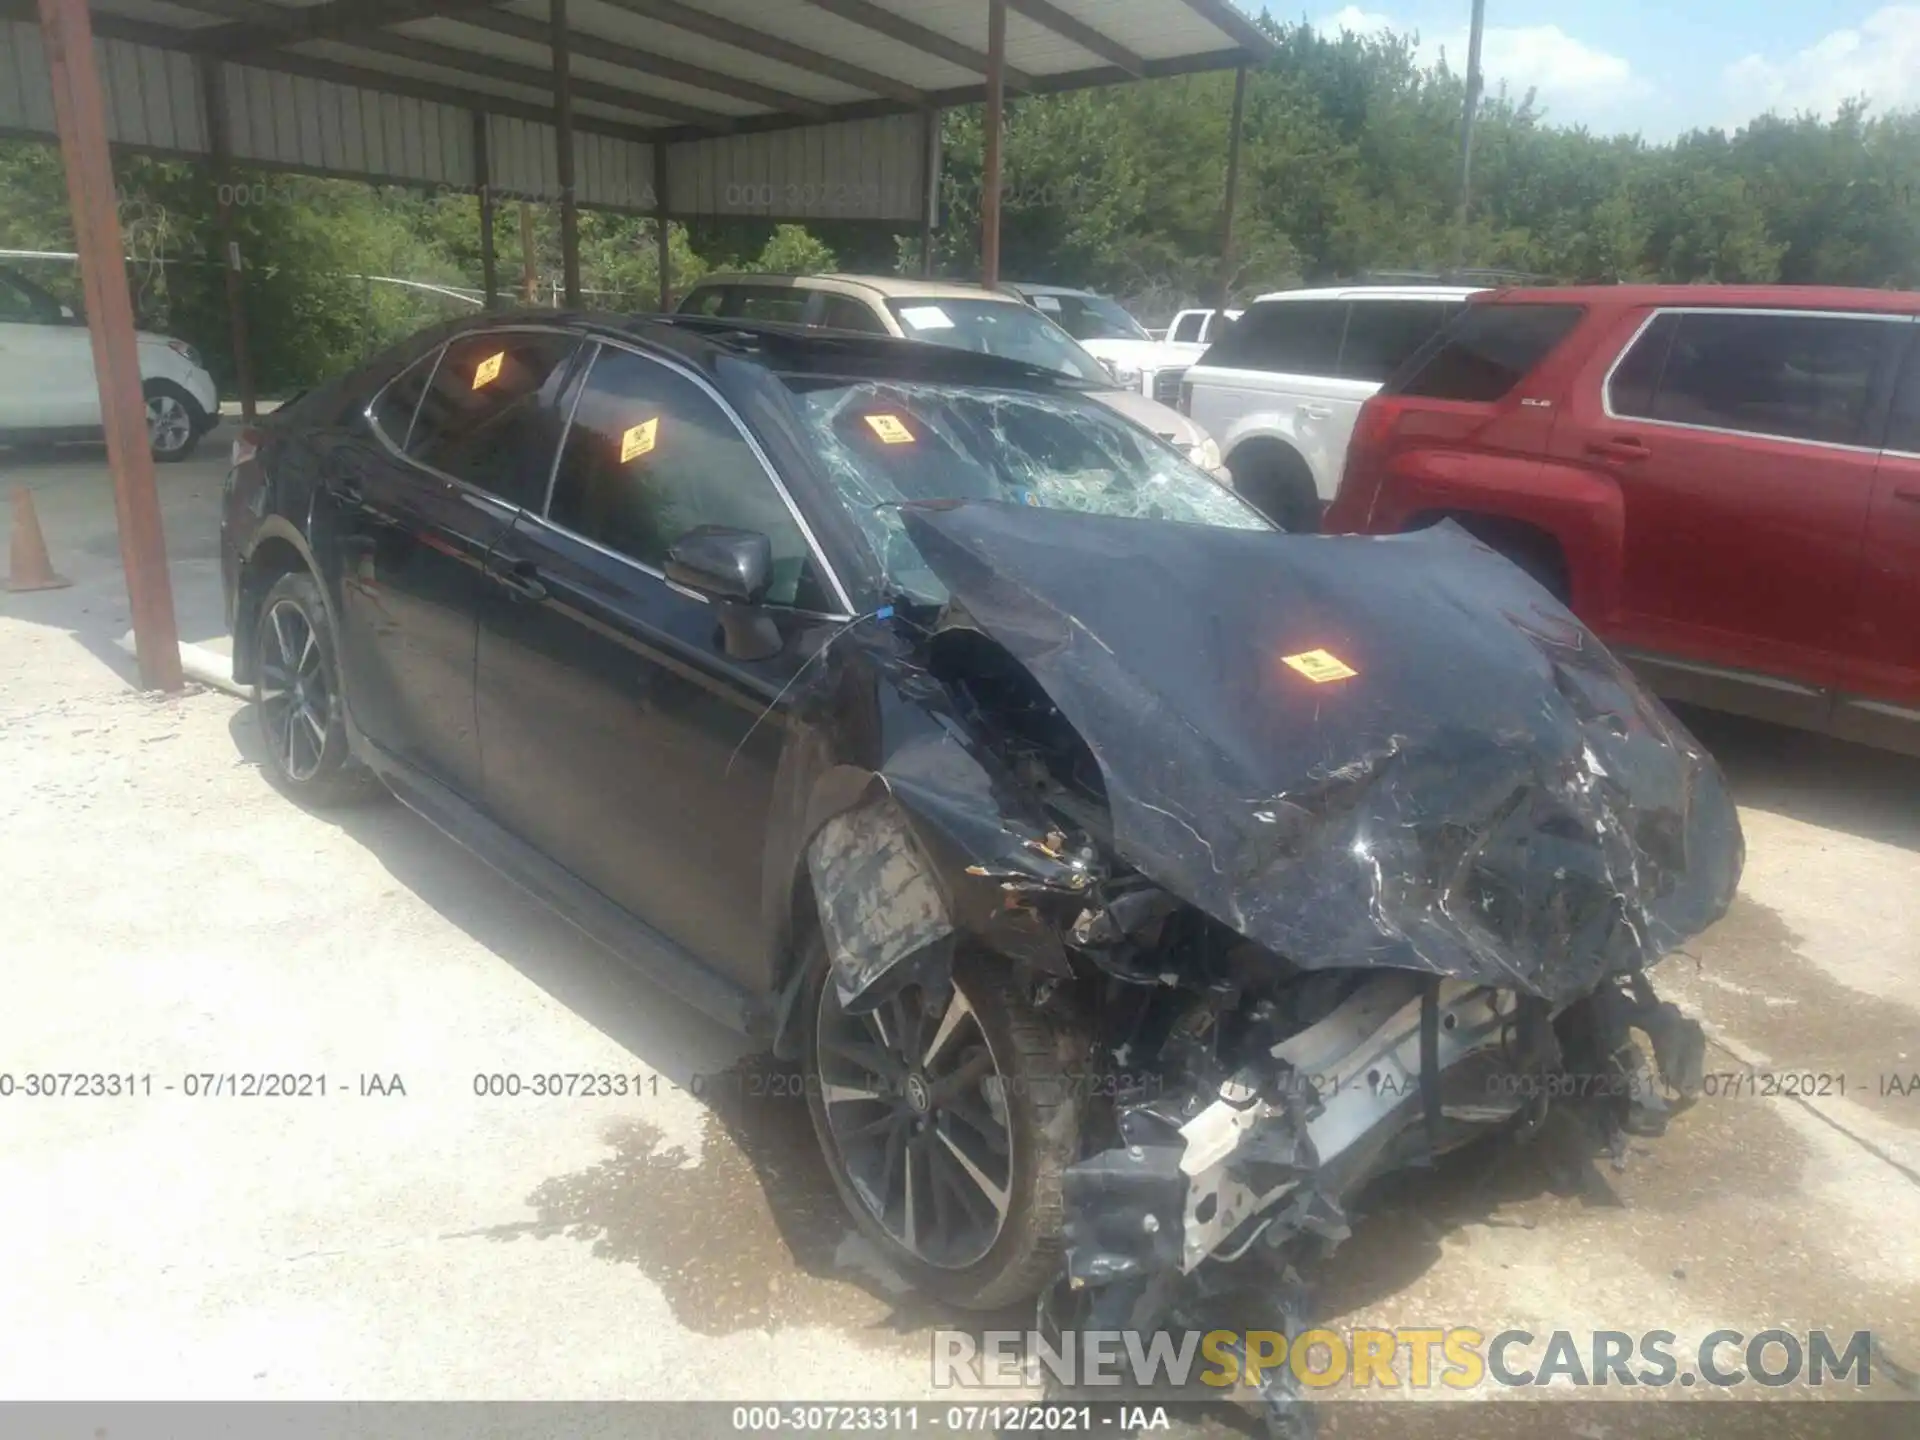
<point>1314,929</point>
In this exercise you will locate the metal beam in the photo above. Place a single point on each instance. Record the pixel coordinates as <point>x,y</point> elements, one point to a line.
<point>884,22</point>
<point>770,47</point>
<point>1227,18</point>
<point>213,96</point>
<point>1052,17</point>
<point>267,26</point>
<point>1234,126</point>
<point>612,52</point>
<point>929,185</point>
<point>560,40</point>
<point>513,72</point>
<point>483,185</point>
<point>80,115</point>
<point>990,171</point>
<point>662,232</point>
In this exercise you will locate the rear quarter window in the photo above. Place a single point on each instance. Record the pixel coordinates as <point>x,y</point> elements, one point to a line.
<point>1487,351</point>
<point>1292,337</point>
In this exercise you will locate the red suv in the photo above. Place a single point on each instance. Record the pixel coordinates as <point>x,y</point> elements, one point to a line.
<point>1723,481</point>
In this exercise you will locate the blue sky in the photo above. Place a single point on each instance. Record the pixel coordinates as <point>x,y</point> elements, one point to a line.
<point>1659,69</point>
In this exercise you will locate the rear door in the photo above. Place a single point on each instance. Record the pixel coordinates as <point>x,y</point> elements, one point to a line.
<point>462,441</point>
<point>1739,443</point>
<point>1880,680</point>
<point>621,737</point>
<point>1271,376</point>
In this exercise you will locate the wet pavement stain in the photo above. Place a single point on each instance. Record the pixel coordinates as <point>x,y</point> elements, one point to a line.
<point>752,1236</point>
<point>1835,1040</point>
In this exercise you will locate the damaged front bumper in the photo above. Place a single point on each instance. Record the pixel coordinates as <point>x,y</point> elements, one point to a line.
<point>1402,1070</point>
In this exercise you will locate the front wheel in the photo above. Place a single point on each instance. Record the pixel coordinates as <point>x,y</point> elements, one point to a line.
<point>297,700</point>
<point>947,1116</point>
<point>175,421</point>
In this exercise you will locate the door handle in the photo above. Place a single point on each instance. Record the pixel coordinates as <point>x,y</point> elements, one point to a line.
<point>521,577</point>
<point>1908,493</point>
<point>1316,412</point>
<point>1620,447</point>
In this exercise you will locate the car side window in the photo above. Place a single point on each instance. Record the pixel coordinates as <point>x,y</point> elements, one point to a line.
<point>21,306</point>
<point>769,302</point>
<point>489,416</point>
<point>1799,377</point>
<point>1903,427</point>
<point>1636,378</point>
<point>1187,330</point>
<point>395,406</point>
<point>1382,334</point>
<point>707,300</point>
<point>841,312</point>
<point>1293,337</point>
<point>650,455</point>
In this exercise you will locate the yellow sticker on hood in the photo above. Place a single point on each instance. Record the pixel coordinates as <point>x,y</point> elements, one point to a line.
<point>639,440</point>
<point>1321,667</point>
<point>890,429</point>
<point>489,370</point>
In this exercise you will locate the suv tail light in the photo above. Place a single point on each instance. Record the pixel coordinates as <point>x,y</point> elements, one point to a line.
<point>1365,469</point>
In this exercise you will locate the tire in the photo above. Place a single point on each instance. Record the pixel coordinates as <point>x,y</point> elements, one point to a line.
<point>303,724</point>
<point>1277,483</point>
<point>175,422</point>
<point>987,1256</point>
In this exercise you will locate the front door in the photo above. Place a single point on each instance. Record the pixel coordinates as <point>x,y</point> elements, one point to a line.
<point>620,735</point>
<point>1880,685</point>
<point>419,506</point>
<point>46,363</point>
<point>1738,441</point>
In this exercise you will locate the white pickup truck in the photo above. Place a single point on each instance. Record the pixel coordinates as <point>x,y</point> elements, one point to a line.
<point>1134,357</point>
<point>1280,391</point>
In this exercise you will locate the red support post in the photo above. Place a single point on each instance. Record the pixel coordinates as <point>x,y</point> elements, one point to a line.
<point>80,115</point>
<point>990,176</point>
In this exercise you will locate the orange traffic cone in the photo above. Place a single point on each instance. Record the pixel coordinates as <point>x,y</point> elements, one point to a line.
<point>31,568</point>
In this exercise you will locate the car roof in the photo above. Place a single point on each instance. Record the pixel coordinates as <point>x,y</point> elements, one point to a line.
<point>706,342</point>
<point>893,287</point>
<point>1028,287</point>
<point>1769,297</point>
<point>1375,292</point>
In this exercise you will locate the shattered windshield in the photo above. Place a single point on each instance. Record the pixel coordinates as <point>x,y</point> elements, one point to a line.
<point>1010,329</point>
<point>885,445</point>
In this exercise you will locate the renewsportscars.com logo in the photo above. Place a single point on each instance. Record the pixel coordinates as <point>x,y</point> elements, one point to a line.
<point>1420,1358</point>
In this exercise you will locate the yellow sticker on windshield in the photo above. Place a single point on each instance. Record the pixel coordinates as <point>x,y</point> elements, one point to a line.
<point>1321,667</point>
<point>890,429</point>
<point>489,370</point>
<point>639,440</point>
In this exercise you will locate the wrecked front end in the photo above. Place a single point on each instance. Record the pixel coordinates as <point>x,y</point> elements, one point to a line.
<point>1342,852</point>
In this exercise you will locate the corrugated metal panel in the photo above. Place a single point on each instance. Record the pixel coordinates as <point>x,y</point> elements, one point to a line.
<point>612,172</point>
<point>852,170</point>
<point>521,153</point>
<point>26,93</point>
<point>326,128</point>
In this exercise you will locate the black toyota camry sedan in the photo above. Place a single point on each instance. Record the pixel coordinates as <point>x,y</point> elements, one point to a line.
<point>1129,879</point>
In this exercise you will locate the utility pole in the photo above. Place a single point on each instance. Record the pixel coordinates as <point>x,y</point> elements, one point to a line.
<point>529,265</point>
<point>1466,124</point>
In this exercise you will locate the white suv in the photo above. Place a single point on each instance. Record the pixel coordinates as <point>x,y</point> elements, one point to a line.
<point>1281,389</point>
<point>48,391</point>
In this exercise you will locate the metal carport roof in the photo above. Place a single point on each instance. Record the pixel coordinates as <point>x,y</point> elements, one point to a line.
<point>788,109</point>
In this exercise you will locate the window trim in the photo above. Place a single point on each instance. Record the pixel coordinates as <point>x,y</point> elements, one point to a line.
<point>814,547</point>
<point>1606,381</point>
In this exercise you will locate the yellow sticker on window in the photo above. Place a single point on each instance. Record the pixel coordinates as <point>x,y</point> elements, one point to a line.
<point>890,429</point>
<point>489,370</point>
<point>1321,667</point>
<point>639,440</point>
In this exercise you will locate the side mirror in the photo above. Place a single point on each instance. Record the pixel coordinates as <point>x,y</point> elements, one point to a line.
<point>723,563</point>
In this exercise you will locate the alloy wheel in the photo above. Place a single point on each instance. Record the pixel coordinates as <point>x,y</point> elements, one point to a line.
<point>917,1107</point>
<point>295,699</point>
<point>169,426</point>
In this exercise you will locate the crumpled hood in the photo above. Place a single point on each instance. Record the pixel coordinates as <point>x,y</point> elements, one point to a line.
<point>1488,794</point>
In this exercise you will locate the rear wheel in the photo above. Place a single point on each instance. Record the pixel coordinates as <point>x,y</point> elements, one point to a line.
<point>296,697</point>
<point>947,1118</point>
<point>1277,483</point>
